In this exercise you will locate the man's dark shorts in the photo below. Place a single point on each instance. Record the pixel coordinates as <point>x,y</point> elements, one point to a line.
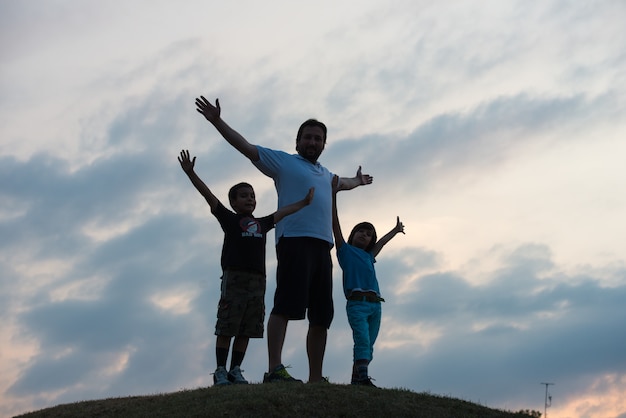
<point>241,310</point>
<point>304,283</point>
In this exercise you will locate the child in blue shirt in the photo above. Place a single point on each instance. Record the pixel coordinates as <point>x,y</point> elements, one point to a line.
<point>360,286</point>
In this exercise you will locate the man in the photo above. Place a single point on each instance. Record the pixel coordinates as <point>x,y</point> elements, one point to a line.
<point>303,240</point>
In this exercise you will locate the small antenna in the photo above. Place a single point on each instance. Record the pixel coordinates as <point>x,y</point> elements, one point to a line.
<point>548,400</point>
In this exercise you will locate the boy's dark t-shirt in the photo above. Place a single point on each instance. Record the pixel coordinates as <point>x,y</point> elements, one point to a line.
<point>244,239</point>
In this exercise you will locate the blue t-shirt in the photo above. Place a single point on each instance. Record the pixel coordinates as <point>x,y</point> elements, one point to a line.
<point>358,270</point>
<point>293,177</point>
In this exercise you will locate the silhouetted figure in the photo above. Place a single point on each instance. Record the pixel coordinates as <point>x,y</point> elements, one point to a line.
<point>360,286</point>
<point>241,309</point>
<point>304,240</point>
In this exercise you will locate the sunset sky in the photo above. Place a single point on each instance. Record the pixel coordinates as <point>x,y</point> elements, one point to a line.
<point>494,129</point>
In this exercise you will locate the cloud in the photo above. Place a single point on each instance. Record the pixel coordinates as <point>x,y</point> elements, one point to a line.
<point>494,132</point>
<point>527,324</point>
<point>102,306</point>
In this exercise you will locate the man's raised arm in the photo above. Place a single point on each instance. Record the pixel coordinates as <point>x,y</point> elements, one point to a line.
<point>347,183</point>
<point>212,114</point>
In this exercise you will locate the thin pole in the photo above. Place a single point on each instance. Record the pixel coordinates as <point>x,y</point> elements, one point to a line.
<point>545,403</point>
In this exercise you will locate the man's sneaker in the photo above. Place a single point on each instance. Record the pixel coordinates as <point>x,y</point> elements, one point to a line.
<point>280,374</point>
<point>235,376</point>
<point>220,377</point>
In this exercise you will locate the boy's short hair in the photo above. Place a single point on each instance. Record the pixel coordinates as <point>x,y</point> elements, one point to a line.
<point>368,226</point>
<point>232,193</point>
<point>311,122</point>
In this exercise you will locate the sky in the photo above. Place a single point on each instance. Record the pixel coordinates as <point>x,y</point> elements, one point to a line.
<point>493,129</point>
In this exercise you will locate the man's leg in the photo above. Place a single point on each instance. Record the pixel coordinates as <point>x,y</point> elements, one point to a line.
<point>276,331</point>
<point>316,347</point>
<point>320,312</point>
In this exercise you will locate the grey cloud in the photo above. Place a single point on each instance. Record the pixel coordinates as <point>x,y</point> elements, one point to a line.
<point>414,261</point>
<point>123,318</point>
<point>59,202</point>
<point>52,374</point>
<point>465,146</point>
<point>166,251</point>
<point>566,329</point>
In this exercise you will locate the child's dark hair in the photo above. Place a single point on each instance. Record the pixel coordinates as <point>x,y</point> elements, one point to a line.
<point>232,193</point>
<point>367,226</point>
<point>311,122</point>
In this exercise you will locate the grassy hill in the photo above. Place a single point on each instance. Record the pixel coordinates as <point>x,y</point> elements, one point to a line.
<point>280,400</point>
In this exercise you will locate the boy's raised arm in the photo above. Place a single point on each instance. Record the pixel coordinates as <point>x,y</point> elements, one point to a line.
<point>294,207</point>
<point>387,237</point>
<point>187,165</point>
<point>212,114</point>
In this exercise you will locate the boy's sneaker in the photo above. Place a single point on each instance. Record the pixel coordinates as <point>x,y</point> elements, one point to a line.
<point>235,376</point>
<point>220,377</point>
<point>280,374</point>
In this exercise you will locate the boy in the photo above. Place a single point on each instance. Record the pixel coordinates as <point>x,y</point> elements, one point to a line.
<point>241,308</point>
<point>360,285</point>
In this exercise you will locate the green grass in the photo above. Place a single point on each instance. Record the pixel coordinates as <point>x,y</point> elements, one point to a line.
<point>279,400</point>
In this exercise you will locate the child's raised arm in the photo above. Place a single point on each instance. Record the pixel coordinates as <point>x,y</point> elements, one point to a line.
<point>339,241</point>
<point>387,237</point>
<point>294,207</point>
<point>187,165</point>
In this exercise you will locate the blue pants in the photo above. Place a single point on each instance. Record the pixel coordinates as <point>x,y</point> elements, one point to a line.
<point>364,318</point>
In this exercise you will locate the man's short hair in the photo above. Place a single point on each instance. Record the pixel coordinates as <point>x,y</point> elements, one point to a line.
<point>311,122</point>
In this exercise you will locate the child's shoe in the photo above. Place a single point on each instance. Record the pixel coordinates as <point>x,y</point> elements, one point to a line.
<point>220,377</point>
<point>362,378</point>
<point>235,376</point>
